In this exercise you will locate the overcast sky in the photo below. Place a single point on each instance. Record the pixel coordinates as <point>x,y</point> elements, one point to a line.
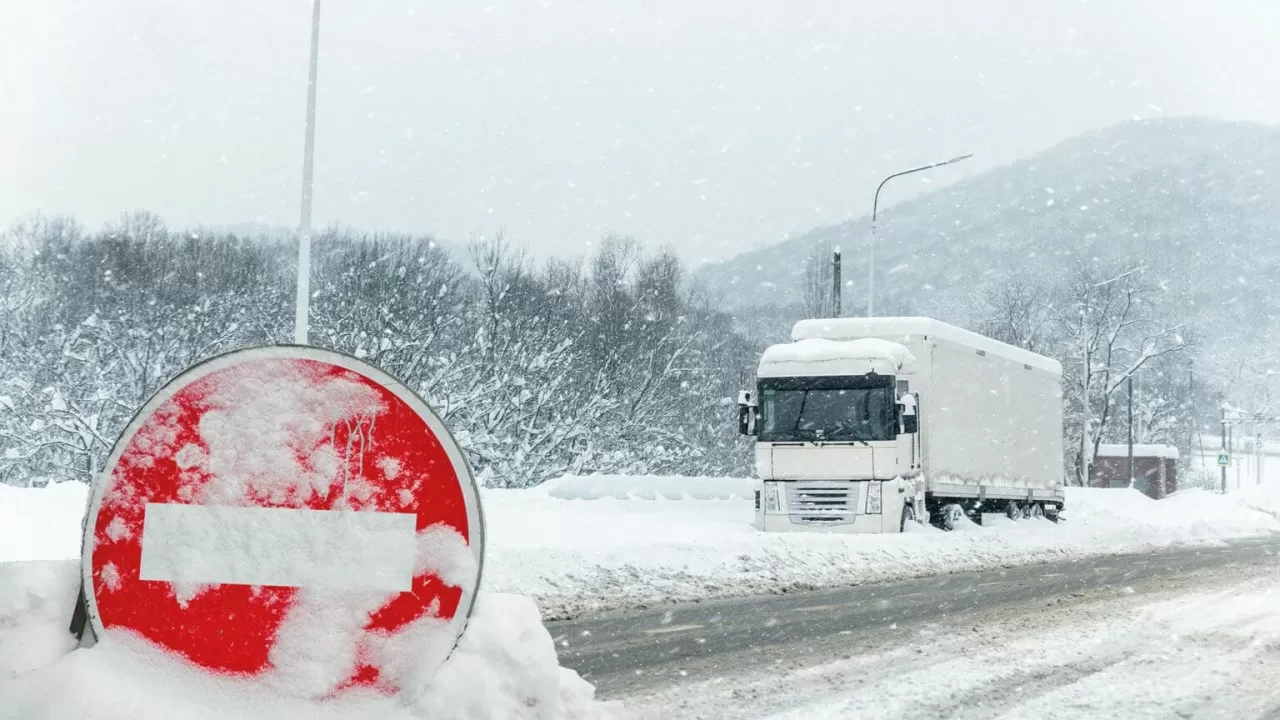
<point>709,125</point>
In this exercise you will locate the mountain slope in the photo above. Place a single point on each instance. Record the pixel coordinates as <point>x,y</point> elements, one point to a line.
<point>1194,201</point>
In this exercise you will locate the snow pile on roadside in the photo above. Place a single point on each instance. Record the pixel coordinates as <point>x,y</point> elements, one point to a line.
<point>650,487</point>
<point>1263,498</point>
<point>1186,516</point>
<point>36,599</point>
<point>577,557</point>
<point>41,523</point>
<point>505,666</point>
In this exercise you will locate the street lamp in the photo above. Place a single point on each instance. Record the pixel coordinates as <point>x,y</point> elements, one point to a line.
<point>875,204</point>
<point>303,299</point>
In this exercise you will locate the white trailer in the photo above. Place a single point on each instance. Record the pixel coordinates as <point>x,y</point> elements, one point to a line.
<point>866,424</point>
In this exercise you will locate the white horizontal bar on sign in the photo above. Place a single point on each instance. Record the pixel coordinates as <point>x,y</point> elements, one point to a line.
<point>330,549</point>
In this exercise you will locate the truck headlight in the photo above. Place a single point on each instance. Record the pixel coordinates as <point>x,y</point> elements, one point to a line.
<point>873,498</point>
<point>771,503</point>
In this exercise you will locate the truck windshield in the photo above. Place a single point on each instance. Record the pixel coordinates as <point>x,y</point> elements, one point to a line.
<point>828,409</point>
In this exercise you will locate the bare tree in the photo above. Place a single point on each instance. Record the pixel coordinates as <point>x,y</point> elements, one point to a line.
<point>1109,330</point>
<point>1018,313</point>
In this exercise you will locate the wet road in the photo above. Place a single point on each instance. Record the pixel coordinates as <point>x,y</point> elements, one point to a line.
<point>626,653</point>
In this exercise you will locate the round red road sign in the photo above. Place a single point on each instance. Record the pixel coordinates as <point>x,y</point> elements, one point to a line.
<point>289,514</point>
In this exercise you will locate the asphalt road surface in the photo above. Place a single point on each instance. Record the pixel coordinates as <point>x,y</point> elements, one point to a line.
<point>624,654</point>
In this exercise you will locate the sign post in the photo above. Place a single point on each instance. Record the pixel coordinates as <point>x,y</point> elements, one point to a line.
<point>291,515</point>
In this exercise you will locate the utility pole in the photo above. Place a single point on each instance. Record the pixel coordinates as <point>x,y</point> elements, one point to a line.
<point>875,205</point>
<point>1129,380</point>
<point>302,303</point>
<point>1257,450</point>
<point>1224,450</point>
<point>835,283</point>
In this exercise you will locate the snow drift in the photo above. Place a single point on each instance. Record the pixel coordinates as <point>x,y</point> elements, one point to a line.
<point>505,666</point>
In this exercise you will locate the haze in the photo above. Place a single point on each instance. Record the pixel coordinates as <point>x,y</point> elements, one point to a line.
<point>713,126</point>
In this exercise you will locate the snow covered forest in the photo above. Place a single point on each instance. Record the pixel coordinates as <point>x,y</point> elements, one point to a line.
<point>615,363</point>
<point>608,364</point>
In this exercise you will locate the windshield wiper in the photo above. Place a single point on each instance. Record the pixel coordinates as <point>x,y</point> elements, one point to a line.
<point>800,413</point>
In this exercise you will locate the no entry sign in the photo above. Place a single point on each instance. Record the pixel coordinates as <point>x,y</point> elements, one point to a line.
<point>289,514</point>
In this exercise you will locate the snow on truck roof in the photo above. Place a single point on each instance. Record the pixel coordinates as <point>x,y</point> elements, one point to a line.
<point>819,356</point>
<point>905,328</point>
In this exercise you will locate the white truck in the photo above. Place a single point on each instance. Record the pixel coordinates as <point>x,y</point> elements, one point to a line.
<point>864,425</point>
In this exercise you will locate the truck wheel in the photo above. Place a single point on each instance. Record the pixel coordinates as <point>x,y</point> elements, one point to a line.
<point>951,515</point>
<point>1037,511</point>
<point>1026,510</point>
<point>1013,510</point>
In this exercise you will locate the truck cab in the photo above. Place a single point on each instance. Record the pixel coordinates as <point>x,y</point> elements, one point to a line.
<point>836,436</point>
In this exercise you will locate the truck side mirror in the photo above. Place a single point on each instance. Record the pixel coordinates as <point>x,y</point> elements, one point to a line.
<point>907,411</point>
<point>746,414</point>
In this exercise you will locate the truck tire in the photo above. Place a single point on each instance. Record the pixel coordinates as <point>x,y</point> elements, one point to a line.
<point>1037,511</point>
<point>1012,510</point>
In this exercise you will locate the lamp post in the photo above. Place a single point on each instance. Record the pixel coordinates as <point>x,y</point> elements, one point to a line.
<point>875,204</point>
<point>303,299</point>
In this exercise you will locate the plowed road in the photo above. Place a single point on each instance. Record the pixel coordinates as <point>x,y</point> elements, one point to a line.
<point>749,657</point>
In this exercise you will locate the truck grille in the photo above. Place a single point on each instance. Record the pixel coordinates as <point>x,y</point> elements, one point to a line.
<point>819,503</point>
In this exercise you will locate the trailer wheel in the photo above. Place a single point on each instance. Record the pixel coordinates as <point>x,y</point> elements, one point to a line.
<point>1013,510</point>
<point>1037,511</point>
<point>951,516</point>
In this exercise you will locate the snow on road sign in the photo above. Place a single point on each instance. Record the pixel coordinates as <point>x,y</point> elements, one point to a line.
<point>287,514</point>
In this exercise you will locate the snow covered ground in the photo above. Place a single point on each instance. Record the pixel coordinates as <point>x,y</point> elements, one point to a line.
<point>637,544</point>
<point>599,543</point>
<point>611,542</point>
<point>1188,652</point>
<point>505,666</point>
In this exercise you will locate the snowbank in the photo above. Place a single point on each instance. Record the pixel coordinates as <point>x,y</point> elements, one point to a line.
<point>41,523</point>
<point>505,666</point>
<point>647,487</point>
<point>576,557</point>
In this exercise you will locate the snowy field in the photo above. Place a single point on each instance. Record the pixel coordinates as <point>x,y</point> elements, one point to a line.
<point>603,543</point>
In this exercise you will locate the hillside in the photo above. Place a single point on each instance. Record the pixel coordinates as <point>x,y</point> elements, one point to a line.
<point>1196,201</point>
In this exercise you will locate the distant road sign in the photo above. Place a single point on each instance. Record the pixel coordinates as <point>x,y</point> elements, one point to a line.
<point>1224,459</point>
<point>290,513</point>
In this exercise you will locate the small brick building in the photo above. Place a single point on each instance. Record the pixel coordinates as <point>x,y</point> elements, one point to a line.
<point>1154,468</point>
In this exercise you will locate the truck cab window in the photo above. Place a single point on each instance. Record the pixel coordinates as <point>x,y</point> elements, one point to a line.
<point>827,411</point>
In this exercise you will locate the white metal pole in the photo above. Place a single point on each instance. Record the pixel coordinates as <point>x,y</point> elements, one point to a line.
<point>303,300</point>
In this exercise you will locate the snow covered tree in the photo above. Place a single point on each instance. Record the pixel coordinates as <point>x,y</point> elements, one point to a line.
<point>1108,328</point>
